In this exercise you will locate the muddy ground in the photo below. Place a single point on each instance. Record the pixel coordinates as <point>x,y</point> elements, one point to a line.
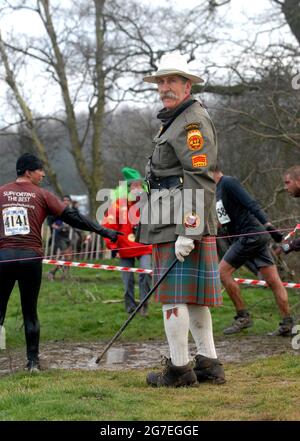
<point>63,355</point>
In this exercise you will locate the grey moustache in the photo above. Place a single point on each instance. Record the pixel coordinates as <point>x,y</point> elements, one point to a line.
<point>168,95</point>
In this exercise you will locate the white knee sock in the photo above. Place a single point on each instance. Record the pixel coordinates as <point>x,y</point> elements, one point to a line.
<point>176,321</point>
<point>201,330</point>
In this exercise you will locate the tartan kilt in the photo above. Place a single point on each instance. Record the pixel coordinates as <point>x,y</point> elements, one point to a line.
<point>195,281</point>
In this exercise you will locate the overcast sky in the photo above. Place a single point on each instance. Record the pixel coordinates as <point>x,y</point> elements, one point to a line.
<point>238,12</point>
<point>237,9</point>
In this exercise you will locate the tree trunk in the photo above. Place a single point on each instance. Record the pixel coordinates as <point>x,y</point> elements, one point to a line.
<point>32,132</point>
<point>97,111</point>
<point>92,178</point>
<point>291,11</point>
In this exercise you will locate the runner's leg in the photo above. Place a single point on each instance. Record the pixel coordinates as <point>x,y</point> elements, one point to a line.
<point>29,285</point>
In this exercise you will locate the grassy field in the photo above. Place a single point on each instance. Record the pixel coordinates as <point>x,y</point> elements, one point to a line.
<point>265,390</point>
<point>76,310</point>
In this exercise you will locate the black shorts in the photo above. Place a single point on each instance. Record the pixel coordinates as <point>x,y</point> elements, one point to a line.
<point>251,248</point>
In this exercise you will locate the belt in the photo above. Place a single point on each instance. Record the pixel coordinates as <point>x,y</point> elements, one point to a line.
<point>167,182</point>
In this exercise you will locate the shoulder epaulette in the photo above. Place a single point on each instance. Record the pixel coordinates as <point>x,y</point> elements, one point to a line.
<point>192,126</point>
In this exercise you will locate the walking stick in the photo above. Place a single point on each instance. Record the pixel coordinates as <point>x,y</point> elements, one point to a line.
<point>136,310</point>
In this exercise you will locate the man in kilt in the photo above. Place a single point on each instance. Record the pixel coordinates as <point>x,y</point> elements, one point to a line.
<point>180,222</point>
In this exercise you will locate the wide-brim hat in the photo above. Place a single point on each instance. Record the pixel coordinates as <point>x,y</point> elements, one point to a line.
<point>173,64</point>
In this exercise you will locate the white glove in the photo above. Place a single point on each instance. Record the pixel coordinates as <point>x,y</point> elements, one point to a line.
<point>183,247</point>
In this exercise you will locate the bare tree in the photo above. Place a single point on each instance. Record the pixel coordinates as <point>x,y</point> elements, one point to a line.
<point>11,81</point>
<point>259,106</point>
<point>95,54</point>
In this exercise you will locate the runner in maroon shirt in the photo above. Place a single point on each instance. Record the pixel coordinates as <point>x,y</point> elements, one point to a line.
<point>23,209</point>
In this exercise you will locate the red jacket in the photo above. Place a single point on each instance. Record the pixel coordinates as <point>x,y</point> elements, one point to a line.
<point>116,218</point>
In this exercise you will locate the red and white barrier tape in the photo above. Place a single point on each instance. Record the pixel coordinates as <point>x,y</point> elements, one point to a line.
<point>292,233</point>
<point>97,266</point>
<point>263,283</point>
<point>148,271</point>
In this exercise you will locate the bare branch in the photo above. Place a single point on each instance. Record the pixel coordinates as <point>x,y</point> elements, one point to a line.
<point>10,79</point>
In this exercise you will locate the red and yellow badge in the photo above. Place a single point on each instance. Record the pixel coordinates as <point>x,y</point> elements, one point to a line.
<point>194,139</point>
<point>199,161</point>
<point>191,220</point>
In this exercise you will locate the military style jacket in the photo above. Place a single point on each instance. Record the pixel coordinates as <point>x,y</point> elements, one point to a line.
<point>186,153</point>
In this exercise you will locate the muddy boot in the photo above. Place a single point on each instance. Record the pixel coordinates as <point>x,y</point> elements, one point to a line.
<point>173,376</point>
<point>241,321</point>
<point>33,365</point>
<point>209,369</point>
<point>285,328</point>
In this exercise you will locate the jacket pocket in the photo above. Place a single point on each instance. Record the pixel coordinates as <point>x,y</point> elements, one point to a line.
<point>164,154</point>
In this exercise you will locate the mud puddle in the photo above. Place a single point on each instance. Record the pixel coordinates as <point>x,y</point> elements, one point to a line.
<point>63,355</point>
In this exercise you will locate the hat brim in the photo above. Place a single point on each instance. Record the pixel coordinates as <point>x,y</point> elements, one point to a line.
<point>163,73</point>
<point>133,180</point>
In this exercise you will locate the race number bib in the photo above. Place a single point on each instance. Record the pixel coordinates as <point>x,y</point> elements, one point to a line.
<point>221,212</point>
<point>15,221</point>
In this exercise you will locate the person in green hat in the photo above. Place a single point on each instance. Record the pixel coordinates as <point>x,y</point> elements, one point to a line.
<point>131,174</point>
<point>130,252</point>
